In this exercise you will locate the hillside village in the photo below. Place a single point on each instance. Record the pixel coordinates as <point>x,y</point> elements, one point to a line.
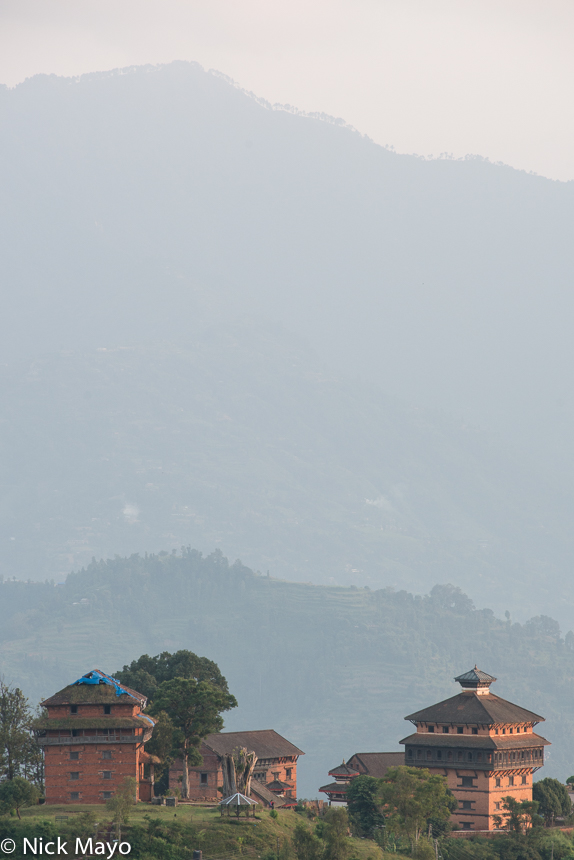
<point>95,731</point>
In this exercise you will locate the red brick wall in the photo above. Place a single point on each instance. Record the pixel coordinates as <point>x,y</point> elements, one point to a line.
<point>90,766</point>
<point>212,769</point>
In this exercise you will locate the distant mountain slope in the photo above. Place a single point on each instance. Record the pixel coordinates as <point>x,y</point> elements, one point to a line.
<point>244,440</point>
<point>334,670</point>
<point>134,201</point>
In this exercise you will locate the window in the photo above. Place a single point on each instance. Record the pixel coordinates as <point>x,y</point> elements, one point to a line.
<point>504,731</point>
<point>107,794</point>
<point>75,774</point>
<point>419,754</point>
<point>510,730</point>
<point>75,733</point>
<point>523,780</point>
<point>466,804</point>
<point>106,774</point>
<point>410,753</point>
<point>511,780</point>
<point>467,782</point>
<point>288,772</point>
<point>74,795</point>
<point>203,779</point>
<point>276,775</point>
<point>73,709</point>
<point>431,728</point>
<point>106,754</point>
<point>429,755</point>
<point>497,805</point>
<point>107,709</point>
<point>466,825</point>
<point>445,730</point>
<point>459,756</point>
<point>497,782</point>
<point>479,756</point>
<point>449,755</point>
<point>74,756</point>
<point>439,754</point>
<point>459,730</point>
<point>496,731</point>
<point>475,731</point>
<point>469,756</point>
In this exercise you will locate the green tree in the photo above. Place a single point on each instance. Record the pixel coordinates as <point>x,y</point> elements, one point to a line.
<point>335,830</point>
<point>120,805</point>
<point>194,708</point>
<point>552,798</point>
<point>410,797</point>
<point>161,745</point>
<point>364,806</point>
<point>18,748</point>
<point>517,816</point>
<point>305,844</point>
<point>147,673</point>
<point>15,794</point>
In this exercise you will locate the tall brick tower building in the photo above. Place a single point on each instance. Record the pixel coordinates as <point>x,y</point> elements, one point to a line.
<point>484,745</point>
<point>93,736</point>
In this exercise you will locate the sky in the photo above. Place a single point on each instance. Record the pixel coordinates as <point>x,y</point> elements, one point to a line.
<point>487,77</point>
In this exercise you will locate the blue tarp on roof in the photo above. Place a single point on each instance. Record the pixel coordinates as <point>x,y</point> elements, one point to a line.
<point>97,677</point>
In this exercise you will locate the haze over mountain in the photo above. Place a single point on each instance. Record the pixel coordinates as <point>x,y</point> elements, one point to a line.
<point>145,210</point>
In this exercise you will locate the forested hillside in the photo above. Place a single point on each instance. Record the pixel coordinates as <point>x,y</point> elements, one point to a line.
<point>245,441</point>
<point>334,669</point>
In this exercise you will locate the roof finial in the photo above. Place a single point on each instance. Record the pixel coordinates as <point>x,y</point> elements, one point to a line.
<point>476,681</point>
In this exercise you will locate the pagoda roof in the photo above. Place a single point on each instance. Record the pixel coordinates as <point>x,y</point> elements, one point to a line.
<point>95,687</point>
<point>334,788</point>
<point>483,742</point>
<point>344,770</point>
<point>471,708</point>
<point>475,676</point>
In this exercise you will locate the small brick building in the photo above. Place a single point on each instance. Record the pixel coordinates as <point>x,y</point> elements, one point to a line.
<point>485,746</point>
<point>274,777</point>
<point>360,764</point>
<point>93,735</point>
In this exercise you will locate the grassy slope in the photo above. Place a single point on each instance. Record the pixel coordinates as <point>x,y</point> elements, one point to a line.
<point>216,836</point>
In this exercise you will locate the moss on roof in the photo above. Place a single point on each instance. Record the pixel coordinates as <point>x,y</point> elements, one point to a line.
<point>77,694</point>
<point>92,723</point>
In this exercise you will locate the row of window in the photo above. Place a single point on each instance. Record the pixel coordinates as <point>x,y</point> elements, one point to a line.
<point>450,756</point>
<point>474,731</point>
<point>78,733</point>
<point>106,795</point>
<point>500,758</point>
<point>446,730</point>
<point>107,709</point>
<point>105,754</point>
<point>511,781</point>
<point>105,774</point>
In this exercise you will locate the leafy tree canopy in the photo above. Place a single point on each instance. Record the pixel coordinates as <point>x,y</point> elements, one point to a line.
<point>410,797</point>
<point>552,798</point>
<point>17,793</point>
<point>364,806</point>
<point>18,749</point>
<point>147,673</point>
<point>194,708</point>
